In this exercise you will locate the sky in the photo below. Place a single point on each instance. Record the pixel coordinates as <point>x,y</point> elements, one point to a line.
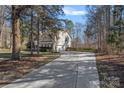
<point>76,13</point>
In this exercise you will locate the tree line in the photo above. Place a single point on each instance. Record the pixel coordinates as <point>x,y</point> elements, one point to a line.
<point>104,28</point>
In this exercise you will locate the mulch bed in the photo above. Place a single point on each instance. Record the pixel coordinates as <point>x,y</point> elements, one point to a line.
<point>111,70</point>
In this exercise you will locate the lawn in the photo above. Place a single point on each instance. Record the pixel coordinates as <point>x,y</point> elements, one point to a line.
<point>11,70</point>
<point>111,70</point>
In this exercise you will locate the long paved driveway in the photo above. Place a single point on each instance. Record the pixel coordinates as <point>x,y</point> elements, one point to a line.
<point>71,70</point>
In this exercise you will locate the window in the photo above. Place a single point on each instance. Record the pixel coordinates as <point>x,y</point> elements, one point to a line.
<point>66,39</point>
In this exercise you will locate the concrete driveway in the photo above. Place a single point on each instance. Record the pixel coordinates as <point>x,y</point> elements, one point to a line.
<point>71,70</point>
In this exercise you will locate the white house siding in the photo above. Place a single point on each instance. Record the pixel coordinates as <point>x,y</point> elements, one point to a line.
<point>61,43</point>
<point>57,43</point>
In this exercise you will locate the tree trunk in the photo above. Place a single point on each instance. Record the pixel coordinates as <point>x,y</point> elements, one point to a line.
<point>107,25</point>
<point>31,39</point>
<point>16,34</point>
<point>98,35</point>
<point>38,34</point>
<point>2,25</point>
<point>77,40</point>
<point>0,39</point>
<point>55,44</point>
<point>10,47</point>
<point>73,40</point>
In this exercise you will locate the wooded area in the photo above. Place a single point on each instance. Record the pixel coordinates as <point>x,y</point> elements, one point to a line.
<point>104,28</point>
<point>26,22</point>
<point>21,27</point>
<point>105,32</point>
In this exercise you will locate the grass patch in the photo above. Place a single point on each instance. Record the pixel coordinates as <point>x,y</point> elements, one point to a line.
<point>6,53</point>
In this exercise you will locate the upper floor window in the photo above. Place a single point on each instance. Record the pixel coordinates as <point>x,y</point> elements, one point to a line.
<point>67,39</point>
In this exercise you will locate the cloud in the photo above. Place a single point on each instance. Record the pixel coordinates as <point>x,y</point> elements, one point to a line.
<point>72,11</point>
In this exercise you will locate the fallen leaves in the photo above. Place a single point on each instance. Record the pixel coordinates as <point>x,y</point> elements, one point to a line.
<point>11,70</point>
<point>110,68</point>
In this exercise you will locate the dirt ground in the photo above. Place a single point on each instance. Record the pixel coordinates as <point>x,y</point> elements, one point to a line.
<point>111,70</point>
<point>11,70</point>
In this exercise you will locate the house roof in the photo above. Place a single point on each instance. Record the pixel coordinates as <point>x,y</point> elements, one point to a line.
<point>48,36</point>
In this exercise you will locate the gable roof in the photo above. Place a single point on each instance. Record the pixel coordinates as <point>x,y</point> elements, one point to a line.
<point>46,37</point>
